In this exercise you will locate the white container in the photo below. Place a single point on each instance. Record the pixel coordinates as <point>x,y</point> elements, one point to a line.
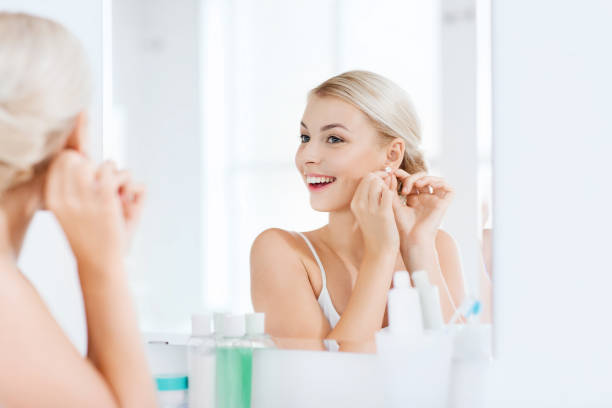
<point>404,308</point>
<point>429,296</point>
<point>414,366</point>
<point>415,374</point>
<point>218,322</point>
<point>471,367</point>
<point>255,331</point>
<point>172,391</point>
<point>202,363</point>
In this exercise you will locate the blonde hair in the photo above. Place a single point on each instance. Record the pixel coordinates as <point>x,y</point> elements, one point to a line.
<point>386,104</point>
<point>44,85</point>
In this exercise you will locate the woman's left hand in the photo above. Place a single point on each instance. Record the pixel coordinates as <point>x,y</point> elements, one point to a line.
<point>132,199</point>
<point>427,199</point>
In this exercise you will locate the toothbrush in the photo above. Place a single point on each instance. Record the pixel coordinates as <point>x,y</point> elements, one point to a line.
<point>469,308</point>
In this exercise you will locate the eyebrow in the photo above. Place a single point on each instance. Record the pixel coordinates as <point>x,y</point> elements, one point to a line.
<point>327,127</point>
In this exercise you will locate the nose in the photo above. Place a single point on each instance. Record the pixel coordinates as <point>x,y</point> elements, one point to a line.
<point>309,154</point>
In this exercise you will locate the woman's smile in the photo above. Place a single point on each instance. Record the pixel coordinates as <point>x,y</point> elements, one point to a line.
<point>318,182</point>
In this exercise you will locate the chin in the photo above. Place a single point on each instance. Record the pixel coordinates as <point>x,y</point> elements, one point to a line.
<point>327,206</point>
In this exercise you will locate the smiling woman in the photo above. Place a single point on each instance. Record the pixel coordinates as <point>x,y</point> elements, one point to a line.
<point>332,282</point>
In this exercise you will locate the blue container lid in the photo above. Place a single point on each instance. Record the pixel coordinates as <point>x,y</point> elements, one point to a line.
<point>172,383</point>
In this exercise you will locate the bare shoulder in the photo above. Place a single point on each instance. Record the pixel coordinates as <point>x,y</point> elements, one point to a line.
<point>275,253</point>
<point>273,238</point>
<point>280,286</point>
<point>275,245</point>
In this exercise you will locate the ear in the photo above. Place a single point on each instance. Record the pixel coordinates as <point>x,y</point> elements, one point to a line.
<point>395,153</point>
<point>78,137</point>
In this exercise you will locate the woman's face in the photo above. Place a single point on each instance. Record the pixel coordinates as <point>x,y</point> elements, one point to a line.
<point>338,147</point>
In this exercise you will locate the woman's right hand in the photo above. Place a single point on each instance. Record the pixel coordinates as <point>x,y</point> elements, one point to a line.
<point>87,204</point>
<point>372,207</point>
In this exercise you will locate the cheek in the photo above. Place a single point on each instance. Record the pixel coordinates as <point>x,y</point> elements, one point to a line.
<point>298,161</point>
<point>357,165</point>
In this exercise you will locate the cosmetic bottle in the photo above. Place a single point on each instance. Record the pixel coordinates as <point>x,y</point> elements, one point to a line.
<point>430,301</point>
<point>172,391</point>
<point>405,317</point>
<point>234,364</point>
<point>218,320</point>
<point>201,362</point>
<point>255,331</point>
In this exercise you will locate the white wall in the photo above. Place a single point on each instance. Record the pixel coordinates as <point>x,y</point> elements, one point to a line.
<point>46,259</point>
<point>458,159</point>
<point>156,85</point>
<point>552,142</point>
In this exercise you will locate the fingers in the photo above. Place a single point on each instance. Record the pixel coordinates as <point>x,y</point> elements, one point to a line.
<point>412,200</point>
<point>434,185</point>
<point>376,188</point>
<point>394,183</point>
<point>360,197</point>
<point>108,182</point>
<point>419,183</point>
<point>369,193</point>
<point>386,200</point>
<point>124,179</point>
<point>119,182</point>
<point>133,200</point>
<point>408,180</point>
<point>70,175</point>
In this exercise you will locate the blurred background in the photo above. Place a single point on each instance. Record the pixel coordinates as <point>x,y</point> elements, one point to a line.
<point>206,100</point>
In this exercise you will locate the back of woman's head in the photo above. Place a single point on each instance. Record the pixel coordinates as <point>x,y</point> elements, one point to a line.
<point>388,107</point>
<point>44,86</point>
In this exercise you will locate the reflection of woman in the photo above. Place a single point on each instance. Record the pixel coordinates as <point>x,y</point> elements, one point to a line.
<point>44,90</point>
<point>332,283</point>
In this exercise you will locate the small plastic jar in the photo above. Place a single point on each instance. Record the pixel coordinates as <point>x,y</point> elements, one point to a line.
<point>172,391</point>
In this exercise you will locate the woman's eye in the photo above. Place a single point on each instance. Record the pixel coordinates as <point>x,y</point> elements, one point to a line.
<point>305,138</point>
<point>334,139</point>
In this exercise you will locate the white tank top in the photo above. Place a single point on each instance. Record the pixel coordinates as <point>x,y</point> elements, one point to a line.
<point>324,299</point>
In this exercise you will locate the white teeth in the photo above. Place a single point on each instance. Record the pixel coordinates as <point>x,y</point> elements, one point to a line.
<point>318,180</point>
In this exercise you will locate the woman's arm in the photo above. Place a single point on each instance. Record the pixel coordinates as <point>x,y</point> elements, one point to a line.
<point>280,288</point>
<point>372,206</point>
<point>364,313</point>
<point>88,204</point>
<point>443,265</point>
<point>423,245</point>
<point>115,346</point>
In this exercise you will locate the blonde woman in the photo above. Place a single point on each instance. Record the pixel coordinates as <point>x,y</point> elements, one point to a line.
<point>359,141</point>
<point>44,92</point>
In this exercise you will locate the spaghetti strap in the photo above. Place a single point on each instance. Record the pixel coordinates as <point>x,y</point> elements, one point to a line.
<point>316,256</point>
<point>324,299</point>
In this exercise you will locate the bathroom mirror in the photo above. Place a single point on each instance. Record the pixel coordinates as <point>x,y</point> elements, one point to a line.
<point>203,103</point>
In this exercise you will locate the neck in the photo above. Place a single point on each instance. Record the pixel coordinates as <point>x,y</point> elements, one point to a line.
<point>17,208</point>
<point>343,235</point>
